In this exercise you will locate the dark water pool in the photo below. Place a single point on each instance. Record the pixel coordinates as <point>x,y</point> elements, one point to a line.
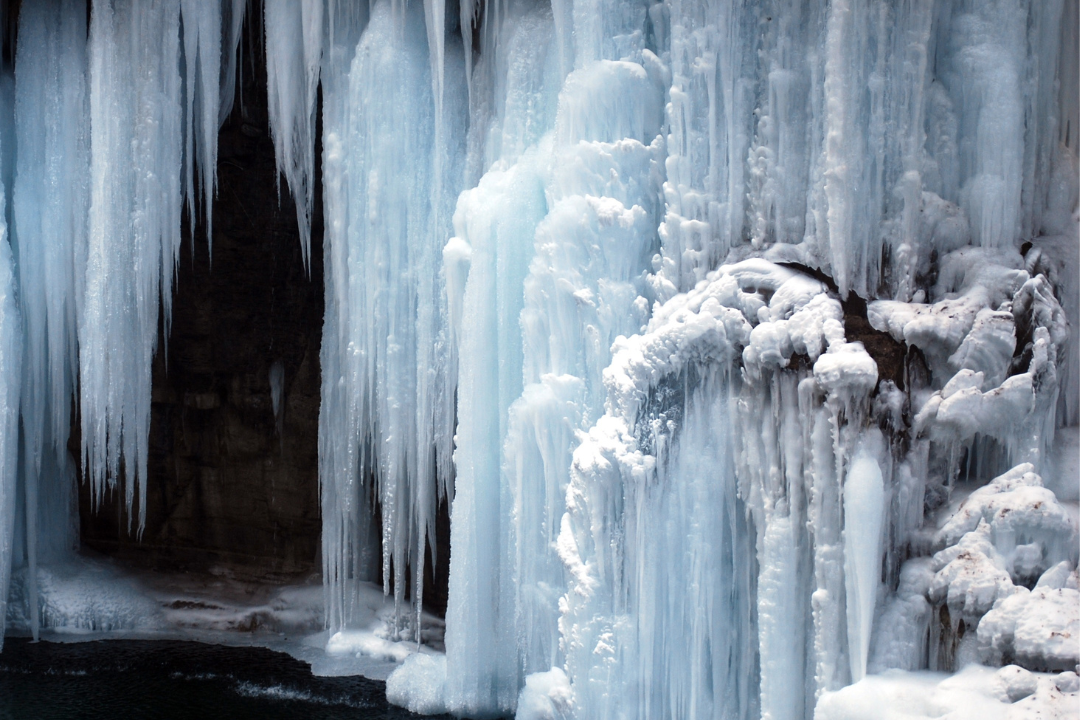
<point>160,679</point>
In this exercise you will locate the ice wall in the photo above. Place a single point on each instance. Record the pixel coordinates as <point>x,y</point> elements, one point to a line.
<point>610,158</point>
<point>701,315</point>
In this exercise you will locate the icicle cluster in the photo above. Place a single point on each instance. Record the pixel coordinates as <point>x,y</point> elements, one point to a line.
<point>743,454</point>
<point>153,130</point>
<point>114,130</point>
<point>387,413</point>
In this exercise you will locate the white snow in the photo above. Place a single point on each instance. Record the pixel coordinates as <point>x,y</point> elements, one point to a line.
<point>83,598</point>
<point>546,696</point>
<point>1037,628</point>
<point>419,684</point>
<point>976,693</point>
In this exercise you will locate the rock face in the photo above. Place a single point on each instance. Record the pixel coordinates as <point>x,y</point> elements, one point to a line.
<point>232,484</point>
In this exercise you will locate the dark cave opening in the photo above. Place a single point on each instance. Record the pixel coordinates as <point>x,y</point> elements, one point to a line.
<point>233,486</point>
<point>225,488</point>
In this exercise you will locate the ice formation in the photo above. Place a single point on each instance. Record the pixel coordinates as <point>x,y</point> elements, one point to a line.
<point>739,337</point>
<point>114,130</point>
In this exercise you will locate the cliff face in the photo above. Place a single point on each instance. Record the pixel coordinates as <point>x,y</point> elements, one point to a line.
<point>232,484</point>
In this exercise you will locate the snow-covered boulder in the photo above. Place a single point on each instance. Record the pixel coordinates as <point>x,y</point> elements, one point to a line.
<point>1039,629</point>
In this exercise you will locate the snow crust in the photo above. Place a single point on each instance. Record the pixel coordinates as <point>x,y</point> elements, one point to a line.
<point>91,599</point>
<point>419,684</point>
<point>974,693</point>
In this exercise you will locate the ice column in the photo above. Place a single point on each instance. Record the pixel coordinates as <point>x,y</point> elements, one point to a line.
<point>495,224</point>
<point>585,287</point>
<point>559,233</point>
<point>136,196</point>
<point>51,197</point>
<point>386,421</point>
<point>864,501</point>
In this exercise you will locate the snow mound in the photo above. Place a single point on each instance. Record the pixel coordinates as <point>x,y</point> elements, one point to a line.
<point>975,693</point>
<point>419,685</point>
<point>1039,628</point>
<point>546,696</point>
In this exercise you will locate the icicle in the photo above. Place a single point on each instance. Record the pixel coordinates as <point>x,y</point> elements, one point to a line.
<point>391,394</point>
<point>233,23</point>
<point>201,21</point>
<point>136,193</point>
<point>294,38</point>
<point>11,354</point>
<point>50,205</point>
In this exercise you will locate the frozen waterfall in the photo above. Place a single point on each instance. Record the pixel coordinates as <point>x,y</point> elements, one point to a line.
<point>740,338</point>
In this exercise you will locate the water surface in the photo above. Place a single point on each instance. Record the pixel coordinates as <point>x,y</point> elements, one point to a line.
<point>174,680</point>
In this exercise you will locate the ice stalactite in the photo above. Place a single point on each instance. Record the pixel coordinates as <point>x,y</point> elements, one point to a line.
<point>11,359</point>
<point>387,409</point>
<point>51,199</point>
<point>153,140</point>
<point>136,197</point>
<point>294,46</point>
<point>233,13</point>
<point>205,47</point>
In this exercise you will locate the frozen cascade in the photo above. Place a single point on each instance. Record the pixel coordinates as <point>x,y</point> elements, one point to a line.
<point>736,335</point>
<point>385,424</point>
<point>51,197</point>
<point>95,231</point>
<point>832,140</point>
